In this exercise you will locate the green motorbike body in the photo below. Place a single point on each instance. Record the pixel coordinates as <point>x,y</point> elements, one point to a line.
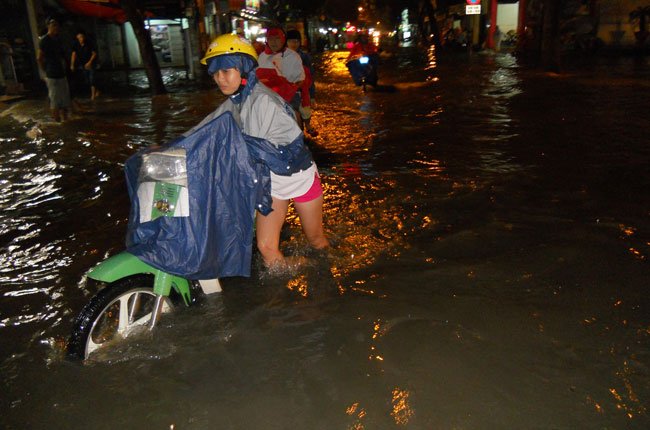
<point>124,265</point>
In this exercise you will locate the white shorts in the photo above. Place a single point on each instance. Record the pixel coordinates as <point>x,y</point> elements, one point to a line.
<point>58,92</point>
<point>296,185</point>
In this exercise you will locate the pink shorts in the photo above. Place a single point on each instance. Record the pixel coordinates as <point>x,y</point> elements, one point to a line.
<point>313,193</point>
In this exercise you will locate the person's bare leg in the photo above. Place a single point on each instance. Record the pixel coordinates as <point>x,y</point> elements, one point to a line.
<point>311,218</point>
<point>268,230</point>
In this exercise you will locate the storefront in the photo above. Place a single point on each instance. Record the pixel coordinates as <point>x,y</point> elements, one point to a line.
<point>168,39</point>
<point>248,22</point>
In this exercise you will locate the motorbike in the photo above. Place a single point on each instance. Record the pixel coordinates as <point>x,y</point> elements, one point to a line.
<point>134,297</point>
<point>134,294</point>
<point>186,230</point>
<point>363,69</point>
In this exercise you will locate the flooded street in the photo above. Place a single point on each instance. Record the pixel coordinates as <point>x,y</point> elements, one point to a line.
<point>491,231</point>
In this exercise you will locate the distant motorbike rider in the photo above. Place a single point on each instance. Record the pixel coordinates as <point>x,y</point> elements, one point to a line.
<point>362,46</point>
<point>362,61</point>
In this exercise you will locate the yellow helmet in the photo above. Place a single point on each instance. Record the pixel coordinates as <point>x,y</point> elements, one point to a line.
<point>229,44</point>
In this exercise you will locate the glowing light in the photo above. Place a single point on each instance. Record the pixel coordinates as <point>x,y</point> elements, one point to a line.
<point>627,400</point>
<point>299,285</point>
<point>402,411</point>
<point>355,409</point>
<point>597,406</point>
<point>627,230</point>
<point>637,254</point>
<point>352,408</point>
<point>432,58</point>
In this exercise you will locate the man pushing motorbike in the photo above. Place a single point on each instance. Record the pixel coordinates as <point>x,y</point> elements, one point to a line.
<point>262,113</point>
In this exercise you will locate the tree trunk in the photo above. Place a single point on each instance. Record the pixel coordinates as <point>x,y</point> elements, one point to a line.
<point>551,36</point>
<point>433,24</point>
<point>149,60</point>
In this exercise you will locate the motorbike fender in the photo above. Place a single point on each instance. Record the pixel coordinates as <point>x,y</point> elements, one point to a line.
<point>119,266</point>
<point>124,265</point>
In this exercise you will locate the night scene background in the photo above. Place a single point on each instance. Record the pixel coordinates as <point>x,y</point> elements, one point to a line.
<point>487,202</point>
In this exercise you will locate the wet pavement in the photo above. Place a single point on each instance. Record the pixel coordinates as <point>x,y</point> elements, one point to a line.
<point>491,225</point>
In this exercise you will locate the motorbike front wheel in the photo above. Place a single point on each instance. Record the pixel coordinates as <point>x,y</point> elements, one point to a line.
<point>115,312</point>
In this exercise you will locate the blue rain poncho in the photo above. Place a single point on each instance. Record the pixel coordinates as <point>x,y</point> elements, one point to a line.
<point>228,178</point>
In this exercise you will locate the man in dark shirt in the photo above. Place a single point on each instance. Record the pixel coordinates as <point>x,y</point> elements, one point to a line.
<point>51,60</point>
<point>84,59</point>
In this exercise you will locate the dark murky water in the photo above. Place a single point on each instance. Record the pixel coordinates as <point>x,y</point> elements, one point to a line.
<point>492,229</point>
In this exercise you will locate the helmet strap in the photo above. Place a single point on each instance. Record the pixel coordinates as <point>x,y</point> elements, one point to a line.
<point>244,81</point>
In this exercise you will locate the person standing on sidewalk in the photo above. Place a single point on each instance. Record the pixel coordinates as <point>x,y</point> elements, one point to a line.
<point>84,62</point>
<point>498,36</point>
<point>52,62</point>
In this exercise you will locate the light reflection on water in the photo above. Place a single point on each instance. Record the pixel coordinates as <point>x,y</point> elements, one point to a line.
<point>471,284</point>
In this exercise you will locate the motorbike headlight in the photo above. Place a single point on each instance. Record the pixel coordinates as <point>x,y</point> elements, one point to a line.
<point>364,60</point>
<point>166,166</point>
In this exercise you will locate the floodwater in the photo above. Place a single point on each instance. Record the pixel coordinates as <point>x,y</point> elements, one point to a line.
<point>491,226</point>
